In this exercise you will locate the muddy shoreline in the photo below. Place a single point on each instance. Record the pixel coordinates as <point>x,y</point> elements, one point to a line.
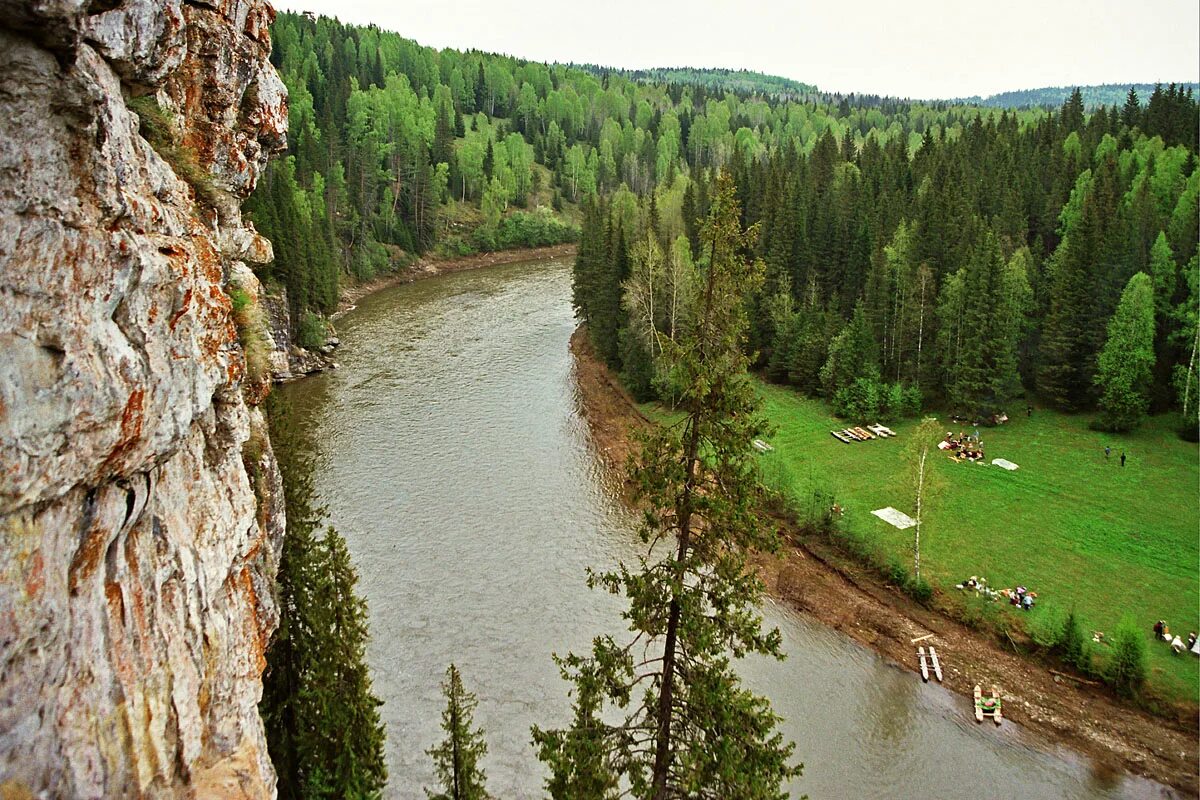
<point>815,578</point>
<point>429,267</point>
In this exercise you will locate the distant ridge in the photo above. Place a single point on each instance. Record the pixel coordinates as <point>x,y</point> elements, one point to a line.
<point>738,81</point>
<point>1106,94</point>
<point>748,82</point>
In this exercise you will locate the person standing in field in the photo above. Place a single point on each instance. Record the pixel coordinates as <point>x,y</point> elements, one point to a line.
<point>1107,452</point>
<point>1122,458</point>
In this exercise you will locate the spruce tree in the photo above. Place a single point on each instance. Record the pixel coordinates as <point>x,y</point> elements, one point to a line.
<point>1128,356</point>
<point>690,729</point>
<point>1127,668</point>
<point>321,716</point>
<point>853,354</point>
<point>457,758</point>
<point>1131,113</point>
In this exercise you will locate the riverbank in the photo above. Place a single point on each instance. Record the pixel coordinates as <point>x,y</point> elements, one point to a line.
<point>818,580</point>
<point>431,267</point>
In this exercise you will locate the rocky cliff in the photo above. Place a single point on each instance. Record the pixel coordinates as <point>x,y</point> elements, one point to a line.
<point>140,509</point>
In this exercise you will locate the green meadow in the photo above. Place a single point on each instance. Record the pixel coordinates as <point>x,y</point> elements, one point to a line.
<point>1078,529</point>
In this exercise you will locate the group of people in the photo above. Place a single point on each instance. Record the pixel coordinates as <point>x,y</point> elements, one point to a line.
<point>1162,632</point>
<point>1020,597</point>
<point>978,585</point>
<point>964,445</point>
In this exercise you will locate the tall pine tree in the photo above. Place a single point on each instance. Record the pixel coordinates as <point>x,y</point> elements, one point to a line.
<point>456,759</point>
<point>690,729</point>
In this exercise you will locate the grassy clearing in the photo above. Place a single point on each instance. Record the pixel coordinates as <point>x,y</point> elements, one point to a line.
<point>1081,531</point>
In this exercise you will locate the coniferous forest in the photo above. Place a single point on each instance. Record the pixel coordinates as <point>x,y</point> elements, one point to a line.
<point>917,253</point>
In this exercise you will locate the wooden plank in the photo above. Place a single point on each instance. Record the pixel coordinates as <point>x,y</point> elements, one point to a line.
<point>996,715</point>
<point>924,666</point>
<point>978,704</point>
<point>921,638</point>
<point>937,667</point>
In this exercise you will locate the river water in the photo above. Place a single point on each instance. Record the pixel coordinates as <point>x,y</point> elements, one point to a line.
<point>452,456</point>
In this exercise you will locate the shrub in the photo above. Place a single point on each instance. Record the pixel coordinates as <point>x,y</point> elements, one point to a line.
<point>239,297</point>
<point>539,228</point>
<point>860,400</point>
<point>1126,670</point>
<point>1047,630</point>
<point>250,323</point>
<point>370,258</point>
<point>919,589</point>
<point>1072,645</point>
<point>311,332</point>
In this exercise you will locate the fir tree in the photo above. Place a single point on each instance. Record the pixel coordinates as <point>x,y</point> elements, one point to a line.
<point>690,728</point>
<point>1127,358</point>
<point>1131,113</point>
<point>853,354</point>
<point>457,758</point>
<point>320,713</point>
<point>1126,670</point>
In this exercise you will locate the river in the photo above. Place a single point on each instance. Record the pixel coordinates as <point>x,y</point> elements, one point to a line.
<point>452,456</point>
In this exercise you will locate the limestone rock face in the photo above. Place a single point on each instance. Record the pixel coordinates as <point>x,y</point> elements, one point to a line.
<point>140,505</point>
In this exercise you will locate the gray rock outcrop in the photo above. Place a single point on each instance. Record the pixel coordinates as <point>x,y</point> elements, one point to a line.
<point>140,505</point>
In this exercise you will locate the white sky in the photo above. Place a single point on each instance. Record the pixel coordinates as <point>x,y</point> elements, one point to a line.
<point>919,48</point>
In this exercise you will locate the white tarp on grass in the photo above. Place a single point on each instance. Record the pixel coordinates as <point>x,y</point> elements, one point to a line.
<point>1005,463</point>
<point>894,517</point>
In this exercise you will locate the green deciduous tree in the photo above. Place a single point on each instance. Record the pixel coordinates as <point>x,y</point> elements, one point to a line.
<point>1127,358</point>
<point>689,729</point>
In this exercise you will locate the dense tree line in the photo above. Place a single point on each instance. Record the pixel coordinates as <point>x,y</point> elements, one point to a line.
<point>385,135</point>
<point>984,265</point>
<point>1106,94</point>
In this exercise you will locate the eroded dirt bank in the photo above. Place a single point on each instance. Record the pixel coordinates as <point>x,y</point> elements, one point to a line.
<point>816,579</point>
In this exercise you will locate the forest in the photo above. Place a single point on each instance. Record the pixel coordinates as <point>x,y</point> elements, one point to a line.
<point>1105,94</point>
<point>396,149</point>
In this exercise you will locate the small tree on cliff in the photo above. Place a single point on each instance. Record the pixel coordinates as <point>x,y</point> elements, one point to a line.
<point>321,716</point>
<point>457,757</point>
<point>690,728</point>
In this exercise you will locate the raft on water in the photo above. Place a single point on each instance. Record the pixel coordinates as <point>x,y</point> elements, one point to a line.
<point>987,706</point>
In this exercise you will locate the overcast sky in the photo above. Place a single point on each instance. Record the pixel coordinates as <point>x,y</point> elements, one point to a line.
<point>917,49</point>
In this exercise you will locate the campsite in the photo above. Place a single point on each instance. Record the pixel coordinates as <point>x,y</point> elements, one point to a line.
<point>1107,540</point>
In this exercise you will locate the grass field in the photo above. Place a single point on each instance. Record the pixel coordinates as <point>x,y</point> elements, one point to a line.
<point>1077,529</point>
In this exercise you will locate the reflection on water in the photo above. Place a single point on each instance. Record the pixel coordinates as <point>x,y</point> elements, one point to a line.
<point>452,456</point>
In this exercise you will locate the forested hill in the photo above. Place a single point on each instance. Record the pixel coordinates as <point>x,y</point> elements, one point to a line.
<point>953,253</point>
<point>1108,94</point>
<point>395,149</point>
<point>738,81</point>
<point>1010,257</point>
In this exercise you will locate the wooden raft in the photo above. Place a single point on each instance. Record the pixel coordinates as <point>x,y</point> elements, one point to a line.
<point>937,666</point>
<point>987,706</point>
